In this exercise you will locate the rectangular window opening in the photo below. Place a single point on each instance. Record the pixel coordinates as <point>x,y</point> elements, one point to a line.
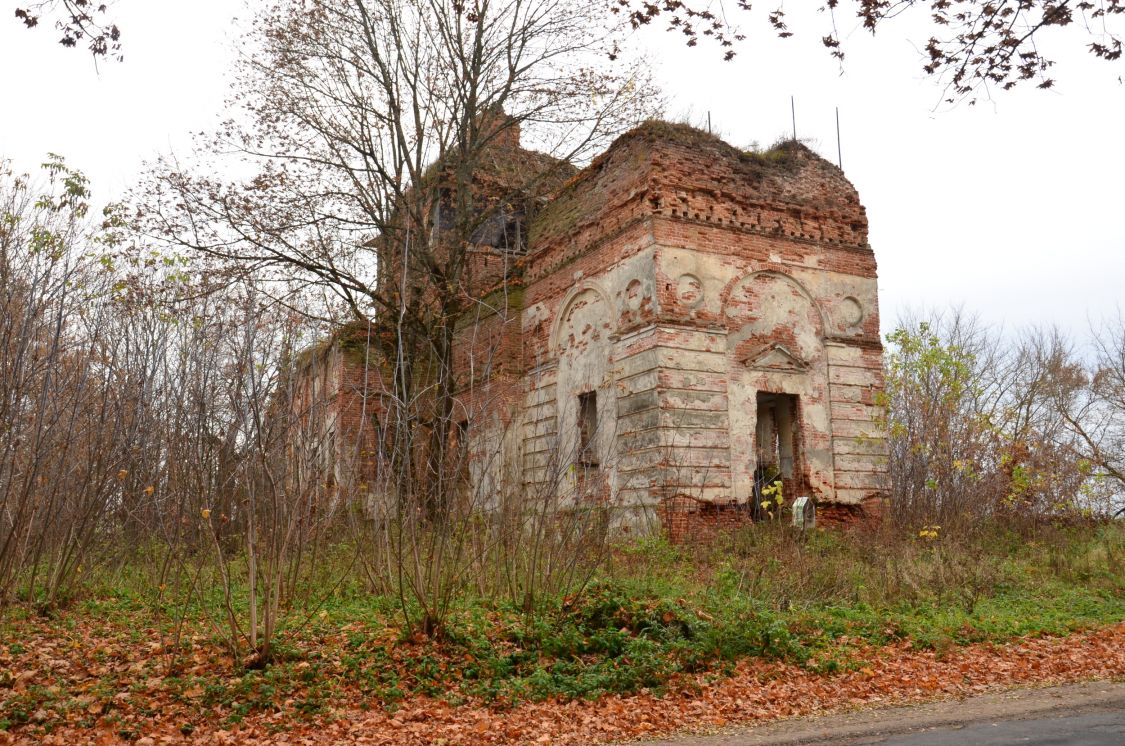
<point>588,429</point>
<point>460,452</point>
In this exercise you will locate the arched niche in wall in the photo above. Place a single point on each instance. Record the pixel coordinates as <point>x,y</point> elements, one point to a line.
<point>777,385</point>
<point>585,317</point>
<point>580,341</point>
<point>769,309</point>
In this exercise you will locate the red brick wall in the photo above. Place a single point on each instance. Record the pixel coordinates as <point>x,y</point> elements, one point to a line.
<point>666,188</point>
<point>686,520</point>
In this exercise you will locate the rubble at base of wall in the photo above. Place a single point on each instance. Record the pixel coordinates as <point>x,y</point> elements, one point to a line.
<point>838,515</point>
<point>685,520</point>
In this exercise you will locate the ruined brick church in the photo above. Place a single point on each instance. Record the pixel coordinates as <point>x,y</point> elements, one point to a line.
<point>686,323</point>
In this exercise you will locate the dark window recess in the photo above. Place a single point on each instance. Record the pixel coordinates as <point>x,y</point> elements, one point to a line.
<point>513,235</point>
<point>588,429</point>
<point>461,451</point>
<point>461,435</point>
<point>445,217</point>
<point>330,458</point>
<point>502,230</point>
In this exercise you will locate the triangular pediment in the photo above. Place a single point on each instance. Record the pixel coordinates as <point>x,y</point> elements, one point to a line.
<point>775,357</point>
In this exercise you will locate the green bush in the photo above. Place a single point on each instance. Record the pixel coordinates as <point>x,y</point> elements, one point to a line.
<point>658,612</point>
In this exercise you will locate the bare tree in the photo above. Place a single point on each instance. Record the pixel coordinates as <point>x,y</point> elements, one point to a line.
<point>383,138</point>
<point>1088,396</point>
<point>976,426</point>
<point>974,45</point>
<point>1104,433</point>
<point>78,21</point>
<point>65,424</point>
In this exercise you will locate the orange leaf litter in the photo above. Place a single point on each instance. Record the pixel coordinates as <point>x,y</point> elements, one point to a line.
<point>757,692</point>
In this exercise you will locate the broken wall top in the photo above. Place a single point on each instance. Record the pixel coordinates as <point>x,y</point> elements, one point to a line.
<point>679,172</point>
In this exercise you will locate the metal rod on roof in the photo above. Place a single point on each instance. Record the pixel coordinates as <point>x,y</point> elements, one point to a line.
<point>839,154</point>
<point>793,111</point>
<point>708,123</point>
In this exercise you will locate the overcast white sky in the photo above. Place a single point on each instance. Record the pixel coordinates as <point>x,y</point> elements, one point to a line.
<point>1015,209</point>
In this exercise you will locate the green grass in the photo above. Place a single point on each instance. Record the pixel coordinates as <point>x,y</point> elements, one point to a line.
<point>656,612</point>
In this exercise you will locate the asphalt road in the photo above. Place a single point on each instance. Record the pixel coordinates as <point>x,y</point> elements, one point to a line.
<point>1098,729</point>
<point>1091,714</point>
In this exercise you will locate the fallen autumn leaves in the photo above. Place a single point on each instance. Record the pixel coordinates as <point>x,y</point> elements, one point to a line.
<point>758,691</point>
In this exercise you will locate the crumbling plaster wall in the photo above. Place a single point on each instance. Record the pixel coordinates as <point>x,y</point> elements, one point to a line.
<point>716,278</point>
<point>573,329</point>
<point>797,318</point>
<point>489,455</point>
<point>767,332</point>
<point>677,277</point>
<point>334,444</point>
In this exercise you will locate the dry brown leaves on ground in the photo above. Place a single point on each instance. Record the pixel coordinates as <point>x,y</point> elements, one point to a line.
<point>757,692</point>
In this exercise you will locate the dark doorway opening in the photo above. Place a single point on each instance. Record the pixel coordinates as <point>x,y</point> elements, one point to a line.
<point>777,450</point>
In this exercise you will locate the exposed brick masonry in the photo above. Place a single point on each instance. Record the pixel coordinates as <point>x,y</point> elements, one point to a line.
<point>689,289</point>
